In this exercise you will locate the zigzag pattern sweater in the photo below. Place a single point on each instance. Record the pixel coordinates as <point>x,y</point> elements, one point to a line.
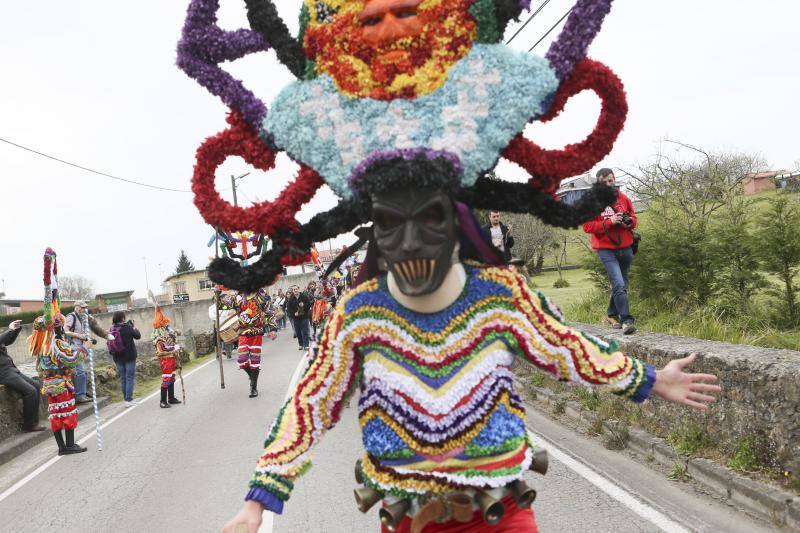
<point>437,407</point>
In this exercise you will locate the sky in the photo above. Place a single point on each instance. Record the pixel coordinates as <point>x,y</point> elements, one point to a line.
<point>94,82</point>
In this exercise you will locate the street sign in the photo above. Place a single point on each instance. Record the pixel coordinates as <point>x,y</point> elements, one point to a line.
<point>182,297</point>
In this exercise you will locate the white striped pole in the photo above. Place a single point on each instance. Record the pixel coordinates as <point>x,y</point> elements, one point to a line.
<point>94,386</point>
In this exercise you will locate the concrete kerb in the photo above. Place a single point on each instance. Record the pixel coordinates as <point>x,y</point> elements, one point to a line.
<point>771,503</point>
<point>15,446</point>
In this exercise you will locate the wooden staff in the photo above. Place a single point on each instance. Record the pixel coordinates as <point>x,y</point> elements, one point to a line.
<point>216,307</point>
<point>88,345</point>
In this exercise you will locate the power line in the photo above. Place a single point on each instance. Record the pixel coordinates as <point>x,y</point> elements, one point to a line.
<point>550,30</point>
<point>99,173</point>
<point>527,21</point>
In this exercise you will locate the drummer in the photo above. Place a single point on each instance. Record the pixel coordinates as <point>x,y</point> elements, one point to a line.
<point>225,323</point>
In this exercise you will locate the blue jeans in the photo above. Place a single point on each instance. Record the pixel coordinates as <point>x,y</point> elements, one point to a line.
<point>301,326</point>
<point>127,378</point>
<point>617,264</point>
<point>80,379</point>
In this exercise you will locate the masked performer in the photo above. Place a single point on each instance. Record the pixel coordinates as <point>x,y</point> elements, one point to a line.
<point>402,108</point>
<point>55,363</point>
<point>255,318</point>
<point>168,353</point>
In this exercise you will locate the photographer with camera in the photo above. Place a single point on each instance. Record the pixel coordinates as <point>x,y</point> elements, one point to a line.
<point>123,350</point>
<point>613,240</point>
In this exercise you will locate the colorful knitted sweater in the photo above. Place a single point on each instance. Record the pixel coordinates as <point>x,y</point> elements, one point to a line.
<point>165,341</point>
<point>438,410</point>
<point>255,316</point>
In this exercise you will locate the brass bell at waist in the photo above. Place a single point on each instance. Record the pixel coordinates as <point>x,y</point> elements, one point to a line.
<point>359,474</point>
<point>523,494</point>
<point>392,515</point>
<point>540,462</point>
<point>366,498</point>
<point>491,508</point>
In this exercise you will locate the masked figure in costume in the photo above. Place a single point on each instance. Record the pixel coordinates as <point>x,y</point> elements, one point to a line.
<point>168,352</point>
<point>255,318</point>
<point>55,363</point>
<point>402,108</point>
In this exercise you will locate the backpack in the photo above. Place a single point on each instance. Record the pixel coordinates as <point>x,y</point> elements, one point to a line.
<point>117,345</point>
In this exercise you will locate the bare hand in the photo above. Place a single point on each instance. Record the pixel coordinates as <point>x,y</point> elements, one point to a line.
<point>510,229</point>
<point>675,385</point>
<point>616,219</point>
<point>15,324</point>
<point>110,337</point>
<point>247,521</point>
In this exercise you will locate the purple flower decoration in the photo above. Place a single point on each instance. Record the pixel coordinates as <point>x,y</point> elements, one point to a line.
<point>204,45</point>
<point>580,30</point>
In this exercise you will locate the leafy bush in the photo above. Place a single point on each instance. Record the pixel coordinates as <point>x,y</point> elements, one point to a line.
<point>560,283</point>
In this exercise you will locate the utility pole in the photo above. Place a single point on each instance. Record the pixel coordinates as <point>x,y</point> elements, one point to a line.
<point>233,186</point>
<point>146,280</point>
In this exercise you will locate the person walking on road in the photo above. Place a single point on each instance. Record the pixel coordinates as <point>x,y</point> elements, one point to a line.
<point>501,235</point>
<point>123,350</point>
<point>299,309</point>
<point>254,320</point>
<point>168,353</point>
<point>11,377</point>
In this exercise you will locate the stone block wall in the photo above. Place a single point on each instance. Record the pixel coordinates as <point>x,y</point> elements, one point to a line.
<point>760,398</point>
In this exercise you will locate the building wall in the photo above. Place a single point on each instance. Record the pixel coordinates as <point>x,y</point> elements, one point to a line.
<point>755,186</point>
<point>191,286</point>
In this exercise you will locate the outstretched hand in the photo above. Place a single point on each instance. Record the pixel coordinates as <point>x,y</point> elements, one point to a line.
<point>248,520</point>
<point>675,385</point>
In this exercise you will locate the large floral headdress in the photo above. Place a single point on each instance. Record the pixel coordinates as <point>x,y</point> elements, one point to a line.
<point>392,84</point>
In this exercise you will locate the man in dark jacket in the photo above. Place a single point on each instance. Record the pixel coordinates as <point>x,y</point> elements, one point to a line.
<point>11,377</point>
<point>500,235</point>
<point>612,238</point>
<point>299,310</point>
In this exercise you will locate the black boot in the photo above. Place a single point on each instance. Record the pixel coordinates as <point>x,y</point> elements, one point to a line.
<point>60,441</point>
<point>70,446</point>
<point>164,403</point>
<point>253,382</point>
<point>171,393</point>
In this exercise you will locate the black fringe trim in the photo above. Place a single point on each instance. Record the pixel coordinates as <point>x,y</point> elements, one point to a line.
<point>522,198</point>
<point>265,20</point>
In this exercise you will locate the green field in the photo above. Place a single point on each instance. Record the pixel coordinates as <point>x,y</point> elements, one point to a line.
<point>579,286</point>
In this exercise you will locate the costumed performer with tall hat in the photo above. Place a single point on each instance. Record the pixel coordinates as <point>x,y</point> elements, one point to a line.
<point>402,107</point>
<point>168,352</point>
<point>55,362</point>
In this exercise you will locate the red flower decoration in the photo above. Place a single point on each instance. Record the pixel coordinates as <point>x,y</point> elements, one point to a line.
<point>549,167</point>
<point>265,217</point>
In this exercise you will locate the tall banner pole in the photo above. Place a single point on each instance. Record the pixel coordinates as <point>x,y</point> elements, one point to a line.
<point>94,386</point>
<point>216,308</point>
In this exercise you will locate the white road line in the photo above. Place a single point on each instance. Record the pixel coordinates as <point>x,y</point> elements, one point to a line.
<point>24,481</point>
<point>645,511</point>
<point>269,518</point>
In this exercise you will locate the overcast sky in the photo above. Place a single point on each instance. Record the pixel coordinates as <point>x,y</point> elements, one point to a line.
<point>94,82</point>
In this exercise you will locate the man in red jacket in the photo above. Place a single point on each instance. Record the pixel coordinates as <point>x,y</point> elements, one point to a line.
<point>612,237</point>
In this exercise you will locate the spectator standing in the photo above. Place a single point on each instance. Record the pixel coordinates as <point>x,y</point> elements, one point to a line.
<point>27,387</point>
<point>291,307</point>
<point>123,350</point>
<point>299,309</point>
<point>500,234</point>
<point>77,335</point>
<point>280,309</point>
<point>612,238</point>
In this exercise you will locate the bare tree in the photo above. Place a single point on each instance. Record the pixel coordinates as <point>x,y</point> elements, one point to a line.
<point>695,188</point>
<point>75,288</point>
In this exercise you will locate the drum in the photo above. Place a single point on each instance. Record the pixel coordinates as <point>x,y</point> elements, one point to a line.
<point>229,328</point>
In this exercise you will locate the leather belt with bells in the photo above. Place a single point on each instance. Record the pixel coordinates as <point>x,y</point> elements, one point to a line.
<point>443,509</point>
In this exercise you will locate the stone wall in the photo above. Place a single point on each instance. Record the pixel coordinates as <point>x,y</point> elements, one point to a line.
<point>190,317</point>
<point>760,398</point>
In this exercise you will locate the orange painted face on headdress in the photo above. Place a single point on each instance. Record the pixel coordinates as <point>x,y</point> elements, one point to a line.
<point>387,49</point>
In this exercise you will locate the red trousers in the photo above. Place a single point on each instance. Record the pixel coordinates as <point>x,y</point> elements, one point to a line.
<point>63,413</point>
<point>250,351</point>
<point>514,520</point>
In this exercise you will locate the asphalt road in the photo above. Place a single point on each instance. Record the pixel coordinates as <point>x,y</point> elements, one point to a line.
<point>186,469</point>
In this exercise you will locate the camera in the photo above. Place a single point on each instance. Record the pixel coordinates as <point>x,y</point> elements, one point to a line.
<point>626,219</point>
